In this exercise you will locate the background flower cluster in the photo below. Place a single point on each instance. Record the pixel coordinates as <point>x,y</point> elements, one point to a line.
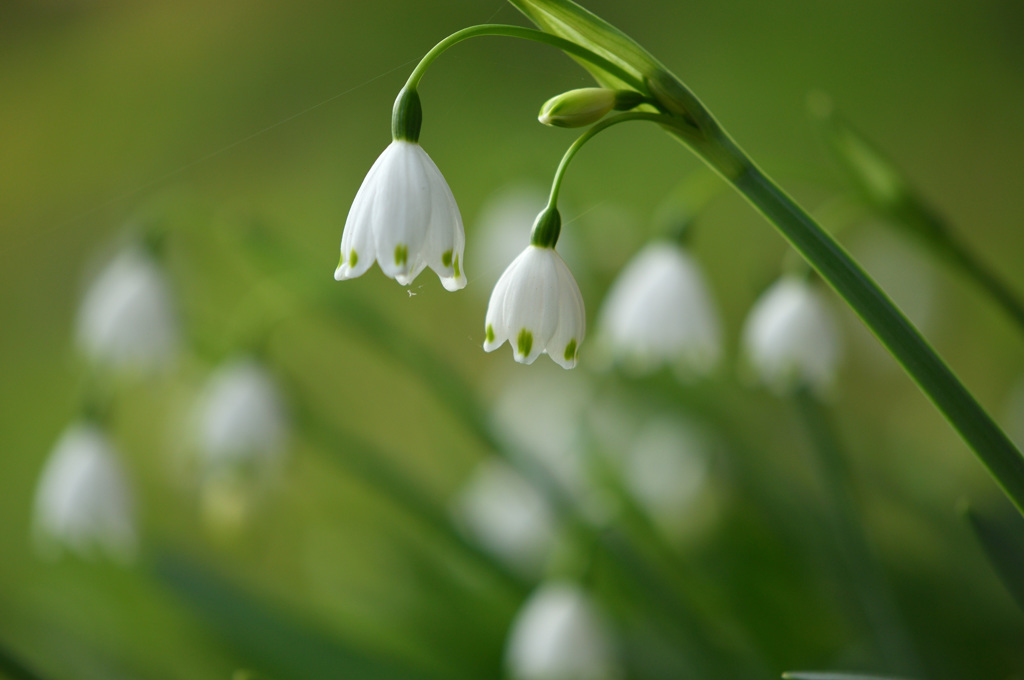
<point>241,132</point>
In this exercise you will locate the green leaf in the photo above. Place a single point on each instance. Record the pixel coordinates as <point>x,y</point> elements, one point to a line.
<point>882,185</point>
<point>811,675</point>
<point>11,666</point>
<point>568,20</point>
<point>276,643</point>
<point>565,19</point>
<point>1003,543</point>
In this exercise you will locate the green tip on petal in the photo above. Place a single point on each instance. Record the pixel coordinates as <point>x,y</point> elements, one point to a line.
<point>490,333</point>
<point>446,258</point>
<point>524,342</point>
<point>456,264</point>
<point>570,350</point>
<point>352,258</point>
<point>401,254</point>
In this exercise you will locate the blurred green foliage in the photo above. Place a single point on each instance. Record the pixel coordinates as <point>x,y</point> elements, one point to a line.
<point>230,122</point>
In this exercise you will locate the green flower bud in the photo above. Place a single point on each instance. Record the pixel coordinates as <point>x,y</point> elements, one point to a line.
<point>577,108</point>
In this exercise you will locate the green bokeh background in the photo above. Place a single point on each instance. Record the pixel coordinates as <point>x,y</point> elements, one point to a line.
<point>210,118</point>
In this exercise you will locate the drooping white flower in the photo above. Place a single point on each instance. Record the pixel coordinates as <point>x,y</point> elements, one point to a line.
<point>242,418</point>
<point>537,306</point>
<point>540,414</point>
<point>508,516</point>
<point>83,502</point>
<point>560,634</point>
<point>658,311</point>
<point>127,317</point>
<point>791,338</point>
<point>405,217</point>
<point>665,468</point>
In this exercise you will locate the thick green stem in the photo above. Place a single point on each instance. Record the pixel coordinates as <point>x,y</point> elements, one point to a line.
<point>864,296</point>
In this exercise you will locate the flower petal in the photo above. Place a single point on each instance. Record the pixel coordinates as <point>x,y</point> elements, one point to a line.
<point>358,250</point>
<point>401,211</point>
<point>495,330</point>
<point>563,348</point>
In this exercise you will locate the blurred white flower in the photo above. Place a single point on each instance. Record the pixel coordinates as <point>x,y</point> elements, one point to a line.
<point>127,317</point>
<point>910,278</point>
<point>83,502</point>
<point>498,232</point>
<point>537,306</point>
<point>791,338</point>
<point>559,634</point>
<point>658,311</point>
<point>242,418</point>
<point>506,515</point>
<point>538,414</point>
<point>405,217</point>
<point>665,468</point>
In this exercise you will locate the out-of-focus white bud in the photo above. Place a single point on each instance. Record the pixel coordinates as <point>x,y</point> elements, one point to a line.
<point>560,634</point>
<point>539,416</point>
<point>791,338</point>
<point>658,311</point>
<point>665,469</point>
<point>127,318</point>
<point>502,512</point>
<point>242,418</point>
<point>83,502</point>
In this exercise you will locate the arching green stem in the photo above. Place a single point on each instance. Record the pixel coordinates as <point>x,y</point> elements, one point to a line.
<point>556,183</point>
<point>526,34</point>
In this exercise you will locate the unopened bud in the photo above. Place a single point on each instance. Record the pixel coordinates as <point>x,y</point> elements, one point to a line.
<point>577,108</point>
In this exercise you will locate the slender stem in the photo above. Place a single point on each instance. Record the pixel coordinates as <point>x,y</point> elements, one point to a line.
<point>984,277</point>
<point>919,360</point>
<point>870,590</point>
<point>556,183</point>
<point>526,34</point>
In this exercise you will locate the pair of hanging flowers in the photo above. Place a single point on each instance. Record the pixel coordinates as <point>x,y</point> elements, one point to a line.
<point>405,218</point>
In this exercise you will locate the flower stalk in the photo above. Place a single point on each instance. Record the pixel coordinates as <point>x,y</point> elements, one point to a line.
<point>687,119</point>
<point>879,314</point>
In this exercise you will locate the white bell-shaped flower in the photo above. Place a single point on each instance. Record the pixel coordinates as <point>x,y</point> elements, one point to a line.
<point>537,306</point>
<point>127,317</point>
<point>506,515</point>
<point>659,311</point>
<point>560,634</point>
<point>665,468</point>
<point>791,338</point>
<point>242,418</point>
<point>405,217</point>
<point>83,502</point>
